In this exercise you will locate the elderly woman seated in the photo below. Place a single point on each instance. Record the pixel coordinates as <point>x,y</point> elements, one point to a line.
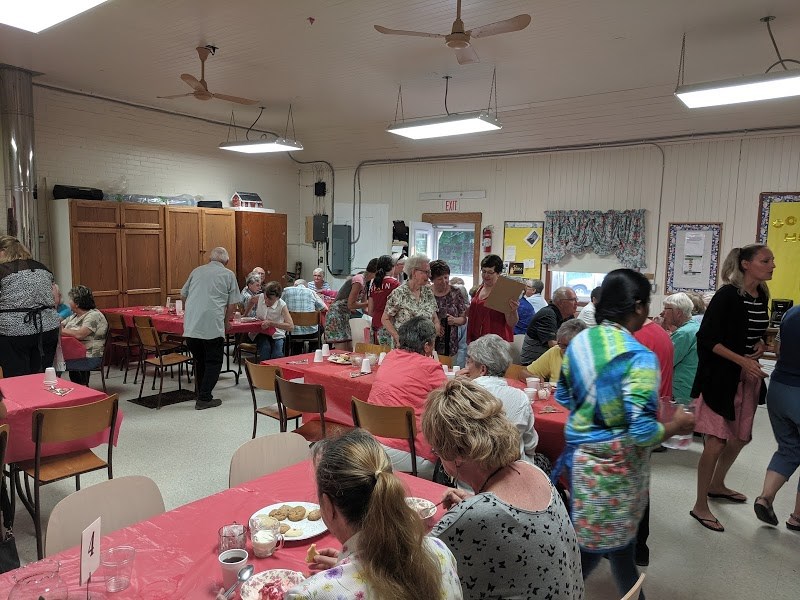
<point>548,366</point>
<point>488,357</point>
<point>385,552</point>
<point>88,325</point>
<point>514,533</point>
<point>250,293</point>
<point>405,378</point>
<point>678,319</point>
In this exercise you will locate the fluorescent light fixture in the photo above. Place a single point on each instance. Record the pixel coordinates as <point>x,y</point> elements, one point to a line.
<point>742,89</point>
<point>455,124</point>
<point>262,146</point>
<point>38,15</point>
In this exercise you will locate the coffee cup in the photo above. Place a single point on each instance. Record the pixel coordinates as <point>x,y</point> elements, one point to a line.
<point>50,376</point>
<point>231,562</point>
<point>366,366</point>
<point>530,393</point>
<point>232,536</point>
<point>532,382</point>
<point>266,542</point>
<point>318,356</point>
<point>178,307</point>
<point>326,350</point>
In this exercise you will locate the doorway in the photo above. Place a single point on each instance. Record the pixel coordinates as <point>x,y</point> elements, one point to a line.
<point>451,237</point>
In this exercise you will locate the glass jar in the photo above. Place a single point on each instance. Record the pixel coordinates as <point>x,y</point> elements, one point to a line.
<point>39,580</point>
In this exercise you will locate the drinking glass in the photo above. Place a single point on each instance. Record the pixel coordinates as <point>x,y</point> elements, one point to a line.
<point>117,563</point>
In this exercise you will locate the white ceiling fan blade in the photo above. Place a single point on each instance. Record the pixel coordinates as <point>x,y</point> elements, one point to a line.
<point>467,56</point>
<point>193,82</point>
<point>388,31</point>
<point>235,99</point>
<point>513,24</point>
<point>176,96</point>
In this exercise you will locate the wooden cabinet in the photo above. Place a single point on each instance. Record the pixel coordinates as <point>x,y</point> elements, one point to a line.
<point>117,251</point>
<point>261,241</point>
<point>191,234</point>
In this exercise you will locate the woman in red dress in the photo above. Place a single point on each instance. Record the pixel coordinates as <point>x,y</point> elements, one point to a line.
<point>480,318</point>
<point>382,285</point>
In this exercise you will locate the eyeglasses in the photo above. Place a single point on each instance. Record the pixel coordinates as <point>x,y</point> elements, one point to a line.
<point>486,272</point>
<point>428,272</point>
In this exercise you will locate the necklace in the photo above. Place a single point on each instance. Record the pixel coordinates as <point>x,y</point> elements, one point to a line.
<point>495,472</point>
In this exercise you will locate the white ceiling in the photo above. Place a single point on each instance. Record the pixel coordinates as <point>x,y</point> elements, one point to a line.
<point>584,71</point>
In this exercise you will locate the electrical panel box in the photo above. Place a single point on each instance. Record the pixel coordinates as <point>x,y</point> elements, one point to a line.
<point>320,228</point>
<point>340,249</point>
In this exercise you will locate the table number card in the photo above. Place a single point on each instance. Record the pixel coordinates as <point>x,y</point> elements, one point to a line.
<point>90,550</point>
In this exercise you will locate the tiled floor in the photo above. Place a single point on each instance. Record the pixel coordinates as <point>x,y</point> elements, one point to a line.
<point>187,453</point>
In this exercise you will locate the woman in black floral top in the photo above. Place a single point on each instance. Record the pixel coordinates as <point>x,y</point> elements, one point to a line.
<point>452,308</point>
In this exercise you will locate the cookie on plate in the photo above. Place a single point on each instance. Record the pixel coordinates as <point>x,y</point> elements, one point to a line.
<point>297,513</point>
<point>279,513</point>
<point>293,533</point>
<point>284,527</point>
<point>314,515</point>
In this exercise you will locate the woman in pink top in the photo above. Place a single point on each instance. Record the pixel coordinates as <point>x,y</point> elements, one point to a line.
<point>406,377</point>
<point>381,287</point>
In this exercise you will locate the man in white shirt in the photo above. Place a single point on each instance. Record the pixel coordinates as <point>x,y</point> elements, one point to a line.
<point>533,294</point>
<point>587,312</point>
<point>210,296</point>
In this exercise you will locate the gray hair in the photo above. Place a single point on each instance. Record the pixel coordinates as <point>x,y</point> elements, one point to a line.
<point>561,293</point>
<point>220,255</point>
<point>299,281</point>
<point>415,262</point>
<point>253,278</point>
<point>415,333</point>
<point>492,352</point>
<point>682,302</point>
<point>537,285</point>
<point>569,329</point>
<point>319,271</point>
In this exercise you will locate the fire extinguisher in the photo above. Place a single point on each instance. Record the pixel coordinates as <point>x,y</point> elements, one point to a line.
<point>487,239</point>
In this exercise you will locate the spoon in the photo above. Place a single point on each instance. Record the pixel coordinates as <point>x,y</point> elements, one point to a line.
<point>244,575</point>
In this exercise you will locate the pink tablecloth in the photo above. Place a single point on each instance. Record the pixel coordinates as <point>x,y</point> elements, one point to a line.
<point>24,394</point>
<point>176,553</point>
<point>170,323</point>
<point>340,388</point>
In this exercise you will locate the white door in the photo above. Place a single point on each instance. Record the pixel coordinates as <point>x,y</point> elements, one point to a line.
<point>421,240</point>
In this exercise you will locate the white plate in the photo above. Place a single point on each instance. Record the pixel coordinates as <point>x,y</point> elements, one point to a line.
<point>248,319</point>
<point>340,359</point>
<point>310,528</point>
<point>251,589</point>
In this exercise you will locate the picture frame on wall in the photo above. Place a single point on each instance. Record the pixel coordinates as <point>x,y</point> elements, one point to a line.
<point>693,257</point>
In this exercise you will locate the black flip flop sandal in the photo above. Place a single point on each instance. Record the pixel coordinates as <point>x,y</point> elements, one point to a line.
<point>707,523</point>
<point>792,526</point>
<point>764,512</point>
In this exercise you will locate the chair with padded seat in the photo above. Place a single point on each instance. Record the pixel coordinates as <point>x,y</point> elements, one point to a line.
<point>266,454</point>
<point>304,319</point>
<point>306,398</point>
<point>62,425</point>
<point>371,348</point>
<point>118,502</point>
<point>262,377</point>
<point>161,361</point>
<point>396,422</point>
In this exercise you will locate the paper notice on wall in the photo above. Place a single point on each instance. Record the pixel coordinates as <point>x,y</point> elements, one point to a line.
<point>692,265</point>
<point>695,244</point>
<point>511,253</point>
<point>529,263</point>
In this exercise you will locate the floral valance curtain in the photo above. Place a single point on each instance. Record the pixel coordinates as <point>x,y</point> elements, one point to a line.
<point>617,232</point>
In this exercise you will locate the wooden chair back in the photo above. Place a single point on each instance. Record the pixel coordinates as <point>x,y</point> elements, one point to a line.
<point>634,591</point>
<point>148,336</point>
<point>446,360</point>
<point>305,319</point>
<point>266,454</point>
<point>119,502</point>
<point>116,322</point>
<point>54,425</point>
<point>1,372</point>
<point>362,348</point>
<point>262,377</point>
<point>396,422</point>
<point>142,321</point>
<point>302,397</point>
<point>517,372</point>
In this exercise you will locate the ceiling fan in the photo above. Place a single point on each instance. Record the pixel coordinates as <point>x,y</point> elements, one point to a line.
<point>201,87</point>
<point>459,40</point>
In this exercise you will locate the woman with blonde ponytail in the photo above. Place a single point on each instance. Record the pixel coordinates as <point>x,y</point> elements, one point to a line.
<point>385,552</point>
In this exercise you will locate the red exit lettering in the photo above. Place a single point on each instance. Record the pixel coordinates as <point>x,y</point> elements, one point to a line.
<point>451,205</point>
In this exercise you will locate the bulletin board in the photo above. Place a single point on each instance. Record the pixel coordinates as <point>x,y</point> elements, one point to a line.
<point>693,257</point>
<point>779,228</point>
<point>522,251</point>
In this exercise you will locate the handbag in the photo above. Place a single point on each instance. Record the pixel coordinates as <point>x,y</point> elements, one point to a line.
<point>9,558</point>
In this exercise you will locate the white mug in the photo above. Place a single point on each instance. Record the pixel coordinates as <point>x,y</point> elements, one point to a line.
<point>266,542</point>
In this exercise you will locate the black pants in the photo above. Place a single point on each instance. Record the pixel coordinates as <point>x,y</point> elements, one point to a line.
<point>19,354</point>
<point>643,532</point>
<point>207,364</point>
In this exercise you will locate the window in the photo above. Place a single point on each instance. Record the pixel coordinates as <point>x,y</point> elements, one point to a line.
<point>456,248</point>
<point>582,283</point>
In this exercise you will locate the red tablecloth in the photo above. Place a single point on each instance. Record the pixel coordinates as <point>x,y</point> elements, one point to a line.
<point>340,388</point>
<point>25,394</point>
<point>170,323</point>
<point>176,553</point>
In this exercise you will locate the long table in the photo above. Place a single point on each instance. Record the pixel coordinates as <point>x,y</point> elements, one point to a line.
<point>176,552</point>
<point>26,393</point>
<point>340,388</point>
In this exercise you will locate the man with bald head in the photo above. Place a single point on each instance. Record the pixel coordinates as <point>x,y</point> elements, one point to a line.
<point>541,333</point>
<point>210,296</point>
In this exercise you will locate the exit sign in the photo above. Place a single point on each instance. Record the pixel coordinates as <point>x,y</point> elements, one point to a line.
<point>451,206</point>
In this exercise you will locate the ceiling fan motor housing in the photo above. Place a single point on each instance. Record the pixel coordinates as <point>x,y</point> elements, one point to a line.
<point>457,41</point>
